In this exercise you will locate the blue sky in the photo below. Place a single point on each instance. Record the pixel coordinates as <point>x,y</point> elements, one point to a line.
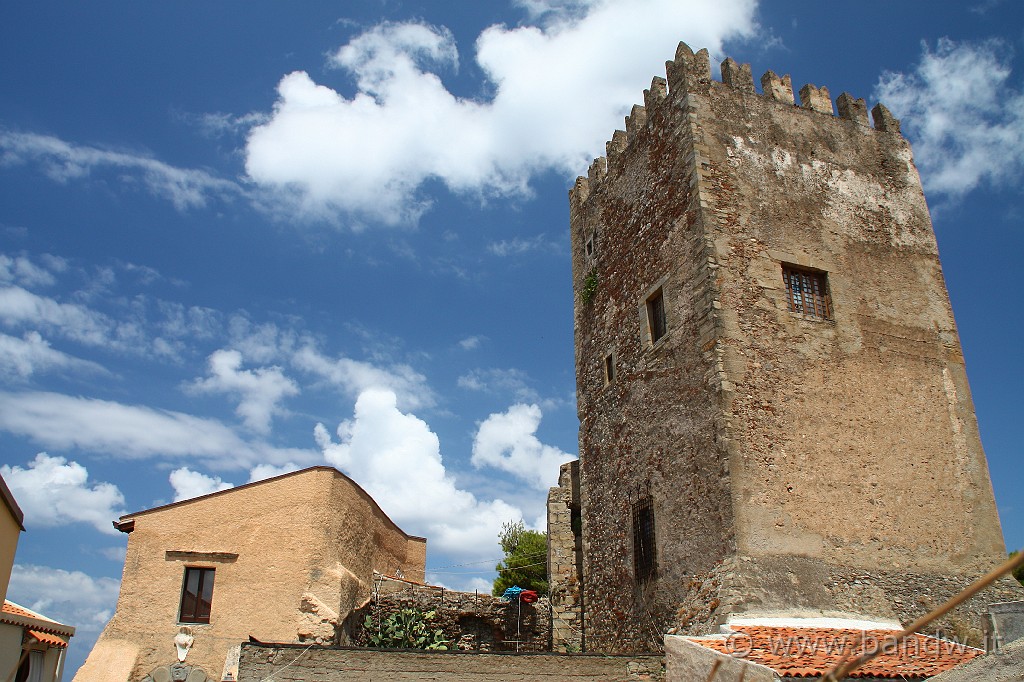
<point>239,238</point>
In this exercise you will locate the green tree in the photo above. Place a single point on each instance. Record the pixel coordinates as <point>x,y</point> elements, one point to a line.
<point>1018,572</point>
<point>526,559</point>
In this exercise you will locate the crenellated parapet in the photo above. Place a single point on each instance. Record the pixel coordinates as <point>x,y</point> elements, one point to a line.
<point>690,73</point>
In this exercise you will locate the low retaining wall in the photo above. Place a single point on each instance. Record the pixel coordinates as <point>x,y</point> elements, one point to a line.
<point>296,662</point>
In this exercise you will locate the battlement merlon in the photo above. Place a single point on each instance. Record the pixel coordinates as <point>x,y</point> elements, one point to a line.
<point>690,72</point>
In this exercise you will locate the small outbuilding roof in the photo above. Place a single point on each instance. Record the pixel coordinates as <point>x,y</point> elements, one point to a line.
<point>810,652</point>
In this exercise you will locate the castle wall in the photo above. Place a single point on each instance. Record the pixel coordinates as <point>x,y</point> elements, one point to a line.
<point>776,446</point>
<point>651,429</point>
<point>565,560</point>
<point>866,413</point>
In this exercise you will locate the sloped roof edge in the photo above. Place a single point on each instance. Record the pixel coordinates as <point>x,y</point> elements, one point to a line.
<point>12,504</point>
<point>126,523</point>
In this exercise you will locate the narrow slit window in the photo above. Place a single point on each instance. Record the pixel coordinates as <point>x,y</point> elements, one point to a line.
<point>196,596</point>
<point>609,368</point>
<point>656,315</point>
<point>589,246</point>
<point>644,553</point>
<point>807,292</point>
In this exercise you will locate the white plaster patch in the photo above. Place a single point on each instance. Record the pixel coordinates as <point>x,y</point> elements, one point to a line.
<point>826,623</point>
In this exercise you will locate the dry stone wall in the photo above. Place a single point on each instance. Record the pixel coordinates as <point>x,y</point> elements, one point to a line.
<point>470,621</point>
<point>293,663</point>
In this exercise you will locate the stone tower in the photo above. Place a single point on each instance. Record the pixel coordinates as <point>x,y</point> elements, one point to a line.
<point>775,415</point>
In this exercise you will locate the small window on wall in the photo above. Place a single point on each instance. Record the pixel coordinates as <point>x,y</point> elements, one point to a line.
<point>644,559</point>
<point>656,315</point>
<point>196,596</point>
<point>590,247</point>
<point>609,368</point>
<point>807,292</point>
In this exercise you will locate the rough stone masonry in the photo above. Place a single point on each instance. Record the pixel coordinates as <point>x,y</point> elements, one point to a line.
<point>775,414</point>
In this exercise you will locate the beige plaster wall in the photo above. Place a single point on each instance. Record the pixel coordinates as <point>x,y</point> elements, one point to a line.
<point>10,648</point>
<point>10,531</point>
<point>306,543</point>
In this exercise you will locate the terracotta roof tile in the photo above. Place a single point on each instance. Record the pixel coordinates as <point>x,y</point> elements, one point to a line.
<point>811,652</point>
<point>52,640</point>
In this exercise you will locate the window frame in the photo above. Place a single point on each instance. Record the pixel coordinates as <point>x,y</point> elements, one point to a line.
<point>657,316</point>
<point>609,368</point>
<point>811,298</point>
<point>206,579</point>
<point>645,543</point>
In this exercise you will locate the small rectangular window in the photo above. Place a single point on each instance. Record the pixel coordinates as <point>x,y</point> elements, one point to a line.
<point>609,368</point>
<point>656,315</point>
<point>196,596</point>
<point>644,559</point>
<point>589,247</point>
<point>807,292</point>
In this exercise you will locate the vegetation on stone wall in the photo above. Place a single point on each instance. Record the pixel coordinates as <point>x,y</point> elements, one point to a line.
<point>525,562</point>
<point>406,629</point>
<point>589,288</point>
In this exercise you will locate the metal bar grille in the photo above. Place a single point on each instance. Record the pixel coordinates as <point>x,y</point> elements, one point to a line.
<point>643,539</point>
<point>807,292</point>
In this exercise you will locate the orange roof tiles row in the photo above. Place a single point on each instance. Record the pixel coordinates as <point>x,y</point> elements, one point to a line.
<point>51,640</point>
<point>812,652</point>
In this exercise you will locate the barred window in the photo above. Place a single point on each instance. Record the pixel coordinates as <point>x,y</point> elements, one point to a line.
<point>807,292</point>
<point>644,559</point>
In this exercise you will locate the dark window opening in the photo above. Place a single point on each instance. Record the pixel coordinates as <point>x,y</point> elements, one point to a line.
<point>609,368</point>
<point>644,559</point>
<point>807,292</point>
<point>656,315</point>
<point>196,596</point>
<point>589,246</point>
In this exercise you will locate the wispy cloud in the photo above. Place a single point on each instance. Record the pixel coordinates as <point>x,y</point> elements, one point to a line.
<point>259,391</point>
<point>21,358</point>
<point>58,421</point>
<point>62,161</point>
<point>965,119</point>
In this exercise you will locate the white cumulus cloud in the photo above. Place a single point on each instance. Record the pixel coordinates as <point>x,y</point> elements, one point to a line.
<point>963,115</point>
<point>259,391</point>
<point>555,91</point>
<point>188,484</point>
<point>396,458</point>
<point>508,441</point>
<point>52,491</point>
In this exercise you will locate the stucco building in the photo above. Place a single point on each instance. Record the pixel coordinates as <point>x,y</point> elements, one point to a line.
<point>775,413</point>
<point>32,646</point>
<point>280,560</point>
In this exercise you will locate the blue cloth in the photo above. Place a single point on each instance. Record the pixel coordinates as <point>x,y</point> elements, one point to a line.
<point>511,593</point>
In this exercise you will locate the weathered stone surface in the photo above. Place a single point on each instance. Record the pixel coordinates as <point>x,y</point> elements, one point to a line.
<point>469,620</point>
<point>1005,666</point>
<point>797,464</point>
<point>689,662</point>
<point>342,664</point>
